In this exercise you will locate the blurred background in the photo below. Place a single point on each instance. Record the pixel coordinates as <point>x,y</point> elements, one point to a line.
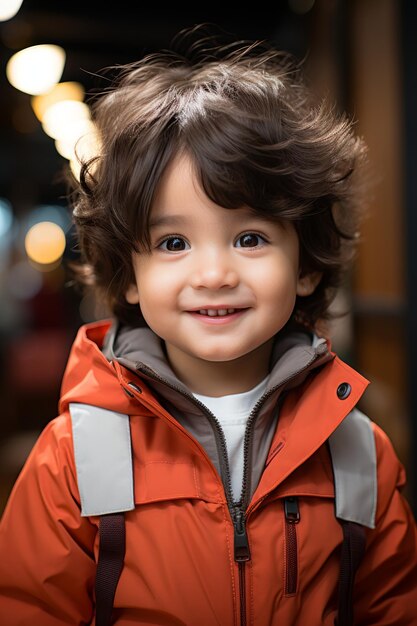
<point>360,52</point>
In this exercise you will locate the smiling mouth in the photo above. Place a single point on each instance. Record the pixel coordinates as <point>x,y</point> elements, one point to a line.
<point>217,312</point>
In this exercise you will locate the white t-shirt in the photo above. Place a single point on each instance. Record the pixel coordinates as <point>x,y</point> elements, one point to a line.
<point>233,412</point>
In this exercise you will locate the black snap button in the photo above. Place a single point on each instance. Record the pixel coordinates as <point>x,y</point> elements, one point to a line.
<point>343,391</point>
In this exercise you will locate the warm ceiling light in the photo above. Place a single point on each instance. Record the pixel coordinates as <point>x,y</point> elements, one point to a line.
<point>83,145</point>
<point>37,69</point>
<point>59,92</point>
<point>61,117</point>
<point>45,242</point>
<point>9,8</point>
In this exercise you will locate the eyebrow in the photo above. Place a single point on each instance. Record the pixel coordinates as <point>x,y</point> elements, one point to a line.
<point>167,220</point>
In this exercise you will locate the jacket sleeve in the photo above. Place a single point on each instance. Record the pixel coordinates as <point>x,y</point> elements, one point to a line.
<point>47,565</point>
<point>386,582</point>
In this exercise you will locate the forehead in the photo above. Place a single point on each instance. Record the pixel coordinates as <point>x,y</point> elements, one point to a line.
<point>180,198</point>
<point>178,187</point>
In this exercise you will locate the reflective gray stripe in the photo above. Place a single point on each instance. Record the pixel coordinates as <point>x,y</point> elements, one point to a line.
<point>352,447</point>
<point>103,458</point>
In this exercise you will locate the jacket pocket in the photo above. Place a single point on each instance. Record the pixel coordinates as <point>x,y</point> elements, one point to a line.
<point>292,518</point>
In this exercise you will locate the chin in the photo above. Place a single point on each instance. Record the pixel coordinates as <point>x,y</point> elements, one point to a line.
<point>220,356</point>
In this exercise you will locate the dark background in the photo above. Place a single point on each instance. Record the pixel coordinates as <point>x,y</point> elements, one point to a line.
<point>360,52</point>
<point>95,37</point>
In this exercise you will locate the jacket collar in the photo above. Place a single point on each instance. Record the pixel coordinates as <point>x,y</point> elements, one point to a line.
<point>140,349</point>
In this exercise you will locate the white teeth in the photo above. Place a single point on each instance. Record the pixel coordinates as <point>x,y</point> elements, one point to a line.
<point>216,312</point>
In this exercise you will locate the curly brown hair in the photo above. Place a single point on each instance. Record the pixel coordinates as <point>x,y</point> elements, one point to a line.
<point>258,137</point>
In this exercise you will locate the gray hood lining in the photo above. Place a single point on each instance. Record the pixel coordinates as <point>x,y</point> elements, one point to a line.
<point>140,349</point>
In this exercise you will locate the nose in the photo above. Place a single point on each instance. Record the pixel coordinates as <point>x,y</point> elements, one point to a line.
<point>213,270</point>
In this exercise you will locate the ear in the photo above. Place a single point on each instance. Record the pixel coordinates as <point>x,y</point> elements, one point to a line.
<point>307,283</point>
<point>132,294</point>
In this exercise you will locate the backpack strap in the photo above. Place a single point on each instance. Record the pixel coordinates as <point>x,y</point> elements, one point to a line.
<point>112,544</point>
<point>353,549</point>
<point>103,459</point>
<point>353,453</point>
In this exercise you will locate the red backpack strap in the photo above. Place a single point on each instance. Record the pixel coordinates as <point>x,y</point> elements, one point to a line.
<point>112,544</point>
<point>353,549</point>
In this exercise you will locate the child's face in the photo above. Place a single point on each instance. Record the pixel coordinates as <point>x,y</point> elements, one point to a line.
<point>206,257</point>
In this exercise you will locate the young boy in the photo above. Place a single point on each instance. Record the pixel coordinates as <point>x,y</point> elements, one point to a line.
<point>209,465</point>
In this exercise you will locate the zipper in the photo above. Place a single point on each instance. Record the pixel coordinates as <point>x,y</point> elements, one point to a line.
<point>292,518</point>
<point>241,544</point>
<point>242,555</point>
<point>242,551</point>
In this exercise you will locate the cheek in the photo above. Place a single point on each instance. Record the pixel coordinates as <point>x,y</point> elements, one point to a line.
<point>275,279</point>
<point>155,286</point>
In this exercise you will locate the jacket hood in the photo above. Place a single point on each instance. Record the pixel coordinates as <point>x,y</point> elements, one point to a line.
<point>89,372</point>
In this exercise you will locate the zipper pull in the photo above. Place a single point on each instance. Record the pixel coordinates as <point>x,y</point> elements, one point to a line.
<point>242,552</point>
<point>292,512</point>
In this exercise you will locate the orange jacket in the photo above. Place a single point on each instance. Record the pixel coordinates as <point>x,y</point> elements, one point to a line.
<point>179,565</point>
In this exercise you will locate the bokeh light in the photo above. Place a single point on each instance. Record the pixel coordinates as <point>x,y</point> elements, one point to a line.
<point>35,70</point>
<point>82,147</point>
<point>45,243</point>
<point>66,119</point>
<point>9,8</point>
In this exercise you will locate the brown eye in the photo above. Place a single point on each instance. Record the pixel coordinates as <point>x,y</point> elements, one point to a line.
<point>250,240</point>
<point>173,244</point>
